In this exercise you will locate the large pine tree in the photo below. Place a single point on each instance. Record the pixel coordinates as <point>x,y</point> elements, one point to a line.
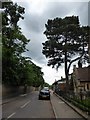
<point>66,39</point>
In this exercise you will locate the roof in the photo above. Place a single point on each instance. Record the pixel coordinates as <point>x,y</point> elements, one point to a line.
<point>83,74</point>
<point>59,81</point>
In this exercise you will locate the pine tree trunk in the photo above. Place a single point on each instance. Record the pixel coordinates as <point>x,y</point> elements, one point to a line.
<point>66,73</point>
<point>66,67</point>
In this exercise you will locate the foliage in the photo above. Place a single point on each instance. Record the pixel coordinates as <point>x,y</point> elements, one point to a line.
<point>36,75</point>
<point>84,104</point>
<point>13,42</point>
<point>17,70</point>
<point>46,84</point>
<point>66,40</point>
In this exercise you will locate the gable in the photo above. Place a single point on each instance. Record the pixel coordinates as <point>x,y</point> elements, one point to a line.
<point>83,74</point>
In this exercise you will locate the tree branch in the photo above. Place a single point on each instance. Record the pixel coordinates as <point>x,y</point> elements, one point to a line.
<point>78,58</point>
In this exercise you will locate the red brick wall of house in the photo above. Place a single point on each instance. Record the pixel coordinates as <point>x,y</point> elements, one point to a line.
<point>62,86</point>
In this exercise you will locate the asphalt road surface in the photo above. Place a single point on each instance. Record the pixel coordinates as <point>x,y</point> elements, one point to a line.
<point>28,107</point>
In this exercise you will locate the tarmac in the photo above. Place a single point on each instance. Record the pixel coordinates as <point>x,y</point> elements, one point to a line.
<point>61,107</point>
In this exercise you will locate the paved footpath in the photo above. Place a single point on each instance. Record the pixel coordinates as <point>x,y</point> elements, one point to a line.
<point>63,109</point>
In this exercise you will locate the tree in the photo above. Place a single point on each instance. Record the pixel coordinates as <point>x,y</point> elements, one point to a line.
<point>17,70</point>
<point>66,39</point>
<point>13,43</point>
<point>31,74</point>
<point>37,76</point>
<point>46,84</point>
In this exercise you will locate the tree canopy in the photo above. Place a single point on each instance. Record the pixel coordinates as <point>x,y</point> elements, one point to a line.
<point>67,41</point>
<point>16,69</point>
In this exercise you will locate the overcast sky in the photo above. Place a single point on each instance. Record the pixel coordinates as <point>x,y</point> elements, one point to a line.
<point>37,12</point>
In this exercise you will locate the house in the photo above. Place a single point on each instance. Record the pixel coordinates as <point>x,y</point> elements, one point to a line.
<point>81,79</point>
<point>59,85</point>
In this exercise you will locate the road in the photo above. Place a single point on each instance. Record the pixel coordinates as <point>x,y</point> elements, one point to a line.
<point>28,107</point>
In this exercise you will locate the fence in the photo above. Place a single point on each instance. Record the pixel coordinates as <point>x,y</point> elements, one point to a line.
<point>81,99</point>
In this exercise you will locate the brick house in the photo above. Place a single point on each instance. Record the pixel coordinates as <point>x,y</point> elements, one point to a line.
<point>81,79</point>
<point>59,85</point>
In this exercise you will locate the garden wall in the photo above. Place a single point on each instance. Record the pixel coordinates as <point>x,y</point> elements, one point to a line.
<point>8,91</point>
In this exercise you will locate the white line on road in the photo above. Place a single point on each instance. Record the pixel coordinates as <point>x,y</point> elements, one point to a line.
<point>11,115</point>
<point>25,104</point>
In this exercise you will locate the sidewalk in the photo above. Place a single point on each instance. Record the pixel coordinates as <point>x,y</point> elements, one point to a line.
<point>64,109</point>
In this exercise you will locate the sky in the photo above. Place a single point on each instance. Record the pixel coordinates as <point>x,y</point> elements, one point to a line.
<point>37,13</point>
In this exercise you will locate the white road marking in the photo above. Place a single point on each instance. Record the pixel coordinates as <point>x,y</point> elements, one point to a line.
<point>25,104</point>
<point>11,115</point>
<point>60,102</point>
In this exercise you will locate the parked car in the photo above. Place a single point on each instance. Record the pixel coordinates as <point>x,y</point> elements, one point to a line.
<point>44,94</point>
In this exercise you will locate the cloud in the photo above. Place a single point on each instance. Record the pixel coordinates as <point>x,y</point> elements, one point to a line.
<point>82,12</point>
<point>35,48</point>
<point>51,74</point>
<point>89,13</point>
<point>57,9</point>
<point>33,23</point>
